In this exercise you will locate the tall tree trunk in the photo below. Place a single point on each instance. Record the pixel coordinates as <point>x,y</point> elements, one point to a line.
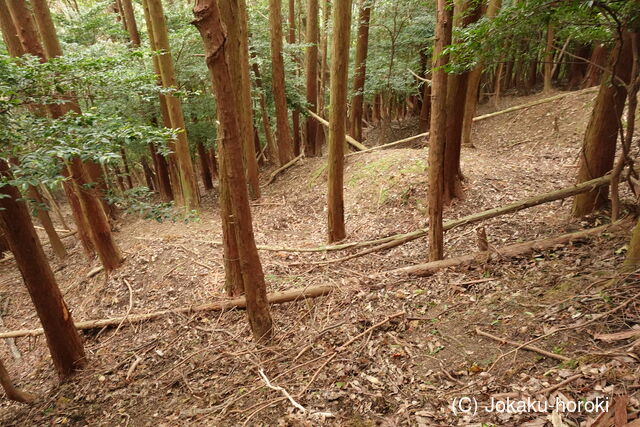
<point>578,66</point>
<point>82,225</point>
<point>437,135</point>
<point>473,86</point>
<point>209,23</point>
<point>130,19</point>
<point>324,72</point>
<point>295,114</point>
<point>162,174</point>
<point>457,85</point>
<point>213,163</point>
<point>283,134</point>
<point>233,282</point>
<point>99,228</point>
<point>359,77</point>
<point>62,338</point>
<point>425,108</point>
<point>234,17</point>
<point>311,66</point>
<point>338,117</point>
<point>163,171</point>
<point>204,167</point>
<point>548,58</point>
<point>597,61</point>
<point>9,32</point>
<point>44,218</point>
<point>149,177</point>
<point>272,148</point>
<point>127,170</point>
<point>599,146</point>
<point>187,180</point>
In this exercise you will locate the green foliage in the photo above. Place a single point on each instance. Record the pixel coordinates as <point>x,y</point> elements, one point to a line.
<point>140,201</point>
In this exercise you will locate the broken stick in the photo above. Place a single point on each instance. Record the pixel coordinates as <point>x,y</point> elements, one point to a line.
<point>528,347</point>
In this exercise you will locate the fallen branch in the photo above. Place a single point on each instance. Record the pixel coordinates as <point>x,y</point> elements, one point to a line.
<point>283,168</point>
<point>528,347</point>
<point>391,144</point>
<point>483,117</point>
<point>272,298</point>
<point>350,140</point>
<point>399,239</point>
<point>510,251</point>
<point>534,103</point>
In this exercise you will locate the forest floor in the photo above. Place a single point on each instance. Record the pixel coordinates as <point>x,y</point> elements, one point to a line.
<point>203,368</point>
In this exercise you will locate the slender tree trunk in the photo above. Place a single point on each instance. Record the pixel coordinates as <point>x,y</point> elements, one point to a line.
<point>99,228</point>
<point>209,23</point>
<point>425,109</point>
<point>234,17</point>
<point>497,84</point>
<point>150,178</point>
<point>127,170</point>
<point>324,73</point>
<point>283,134</point>
<point>295,114</point>
<point>188,186</point>
<point>9,33</point>
<point>163,171</point>
<point>437,136</point>
<point>359,77</point>
<point>337,117</point>
<point>213,163</point>
<point>62,338</point>
<point>130,19</point>
<point>82,225</point>
<point>54,205</point>
<point>548,58</point>
<point>47,224</point>
<point>272,147</point>
<point>473,85</point>
<point>162,174</point>
<point>599,146</point>
<point>204,167</point>
<point>311,66</point>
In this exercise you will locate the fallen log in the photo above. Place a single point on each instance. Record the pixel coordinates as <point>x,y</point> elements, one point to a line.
<point>510,251</point>
<point>272,298</point>
<point>275,173</point>
<point>399,239</point>
<point>483,117</point>
<point>350,140</point>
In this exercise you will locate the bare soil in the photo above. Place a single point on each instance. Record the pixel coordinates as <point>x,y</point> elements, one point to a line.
<point>203,369</point>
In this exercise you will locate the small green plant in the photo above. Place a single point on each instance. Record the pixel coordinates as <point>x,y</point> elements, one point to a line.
<point>140,201</point>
